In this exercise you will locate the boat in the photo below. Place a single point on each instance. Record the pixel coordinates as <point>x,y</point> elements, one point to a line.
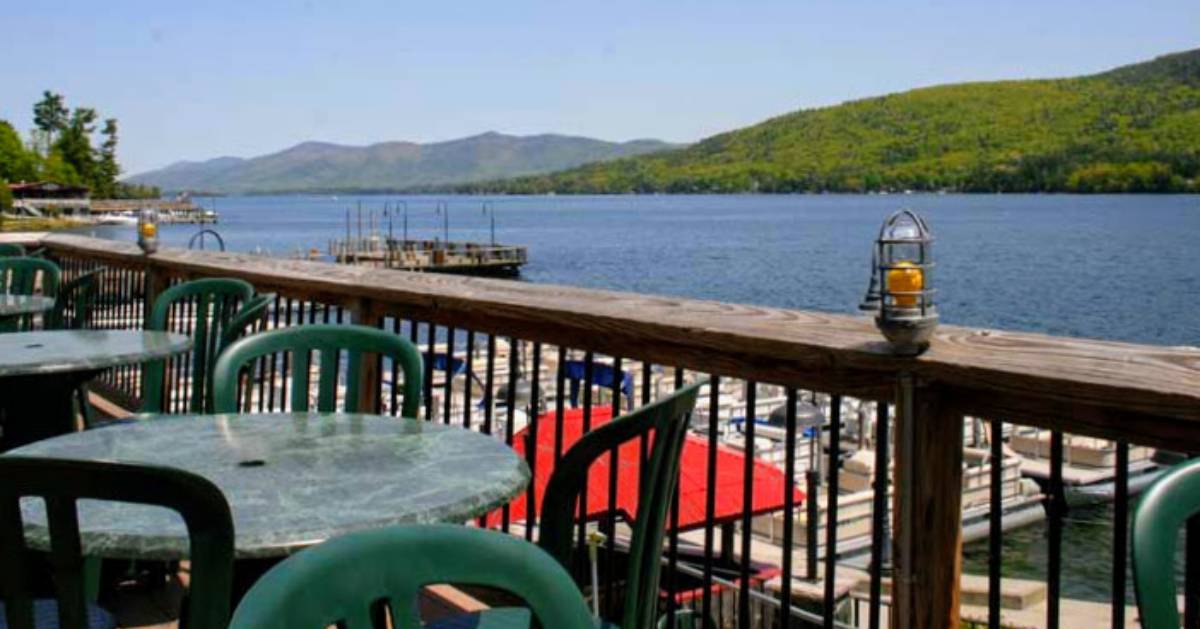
<point>118,218</point>
<point>1089,467</point>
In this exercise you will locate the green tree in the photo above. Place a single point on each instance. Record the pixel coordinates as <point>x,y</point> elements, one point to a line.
<point>16,163</point>
<point>74,144</point>
<point>55,168</point>
<point>6,198</point>
<point>50,118</point>
<point>107,168</point>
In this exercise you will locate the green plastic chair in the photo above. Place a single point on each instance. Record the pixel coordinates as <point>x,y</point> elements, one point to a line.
<point>247,320</point>
<point>1163,508</point>
<point>349,581</point>
<point>11,250</point>
<point>667,418</point>
<point>20,276</point>
<point>74,303</point>
<point>62,484</point>
<point>330,340</point>
<point>23,276</point>
<point>211,304</point>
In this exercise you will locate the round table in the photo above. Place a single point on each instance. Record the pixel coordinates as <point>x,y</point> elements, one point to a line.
<point>15,305</point>
<point>292,480</point>
<point>40,371</point>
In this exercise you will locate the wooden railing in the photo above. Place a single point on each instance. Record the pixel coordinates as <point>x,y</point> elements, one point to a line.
<point>1131,393</point>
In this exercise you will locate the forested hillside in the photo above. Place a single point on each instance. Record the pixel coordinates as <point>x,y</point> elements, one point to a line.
<point>1132,129</point>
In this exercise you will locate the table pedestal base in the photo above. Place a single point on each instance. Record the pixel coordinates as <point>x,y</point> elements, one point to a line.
<point>37,407</point>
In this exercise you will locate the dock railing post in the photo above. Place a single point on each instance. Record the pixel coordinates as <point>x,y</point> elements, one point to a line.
<point>928,526</point>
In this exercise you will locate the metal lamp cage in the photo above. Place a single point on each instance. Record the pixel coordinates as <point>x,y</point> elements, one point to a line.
<point>905,245</point>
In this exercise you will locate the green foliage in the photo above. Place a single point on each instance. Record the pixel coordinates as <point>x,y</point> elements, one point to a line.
<point>16,163</point>
<point>49,119</point>
<point>6,198</point>
<point>135,191</point>
<point>56,169</point>
<point>63,153</point>
<point>1134,129</point>
<point>107,168</point>
<point>74,144</point>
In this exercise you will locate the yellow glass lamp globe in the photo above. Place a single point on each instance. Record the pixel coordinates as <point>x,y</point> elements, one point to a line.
<point>905,278</point>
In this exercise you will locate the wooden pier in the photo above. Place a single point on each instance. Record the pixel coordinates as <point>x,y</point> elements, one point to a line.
<point>468,258</point>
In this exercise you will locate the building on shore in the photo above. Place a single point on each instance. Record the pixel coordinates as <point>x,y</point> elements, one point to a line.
<point>46,198</point>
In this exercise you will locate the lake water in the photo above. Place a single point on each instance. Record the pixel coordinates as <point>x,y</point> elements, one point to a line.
<point>1113,267</point>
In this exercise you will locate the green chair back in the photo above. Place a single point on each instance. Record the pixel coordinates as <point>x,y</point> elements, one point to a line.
<point>298,343</point>
<point>1163,508</point>
<point>248,320</point>
<point>204,308</point>
<point>73,306</point>
<point>62,484</point>
<point>667,419</point>
<point>11,250</point>
<point>349,581</point>
<point>23,276</point>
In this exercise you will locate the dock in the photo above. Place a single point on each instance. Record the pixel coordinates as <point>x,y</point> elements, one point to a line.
<point>437,256</point>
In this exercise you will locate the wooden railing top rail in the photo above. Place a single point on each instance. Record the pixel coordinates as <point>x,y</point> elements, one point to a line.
<point>1149,394</point>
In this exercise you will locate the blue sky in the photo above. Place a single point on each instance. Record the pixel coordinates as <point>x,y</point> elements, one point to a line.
<point>202,79</point>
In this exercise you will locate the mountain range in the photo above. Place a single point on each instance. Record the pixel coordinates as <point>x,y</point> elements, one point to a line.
<point>390,166</point>
<point>1132,129</point>
<point>1135,128</point>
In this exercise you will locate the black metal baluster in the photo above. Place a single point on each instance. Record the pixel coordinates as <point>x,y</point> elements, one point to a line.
<point>489,384</point>
<point>673,536</point>
<point>284,372</point>
<point>532,438</point>
<point>643,444</point>
<point>1055,511</point>
<point>710,497</point>
<point>610,521</point>
<point>469,368</point>
<point>560,386</point>
<point>1120,534</point>
<point>273,317</point>
<point>589,360</point>
<point>879,513</point>
<point>514,367</point>
<point>995,522</point>
<point>448,391</point>
<point>431,344</point>
<point>414,338</point>
<point>831,506</point>
<point>393,394</point>
<point>789,508</point>
<point>747,506</point>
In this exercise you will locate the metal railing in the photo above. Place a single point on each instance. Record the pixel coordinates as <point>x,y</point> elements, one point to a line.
<point>489,344</point>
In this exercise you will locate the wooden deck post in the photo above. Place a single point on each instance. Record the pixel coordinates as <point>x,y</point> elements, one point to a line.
<point>928,494</point>
<point>364,313</point>
<point>156,282</point>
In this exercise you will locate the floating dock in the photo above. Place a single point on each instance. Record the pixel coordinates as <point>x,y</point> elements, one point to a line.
<point>468,258</point>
